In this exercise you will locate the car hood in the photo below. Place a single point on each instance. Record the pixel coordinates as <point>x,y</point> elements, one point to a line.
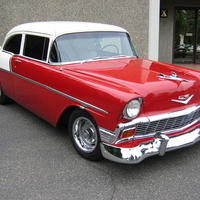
<point>141,78</point>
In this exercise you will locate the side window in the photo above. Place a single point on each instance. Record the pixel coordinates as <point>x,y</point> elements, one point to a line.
<point>13,44</point>
<point>36,47</point>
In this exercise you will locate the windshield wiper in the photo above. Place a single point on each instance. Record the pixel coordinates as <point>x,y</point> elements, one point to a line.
<point>99,57</point>
<point>122,56</point>
<point>107,57</point>
<point>96,58</point>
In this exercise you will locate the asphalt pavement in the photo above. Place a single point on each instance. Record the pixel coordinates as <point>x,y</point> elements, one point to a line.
<point>38,162</point>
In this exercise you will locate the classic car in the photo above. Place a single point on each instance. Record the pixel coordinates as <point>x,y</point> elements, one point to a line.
<point>180,51</point>
<point>88,76</point>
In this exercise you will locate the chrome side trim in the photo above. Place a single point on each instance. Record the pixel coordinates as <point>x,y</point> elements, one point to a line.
<point>83,103</point>
<point>158,146</point>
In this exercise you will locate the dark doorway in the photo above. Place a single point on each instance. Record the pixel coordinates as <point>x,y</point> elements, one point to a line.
<point>187,35</point>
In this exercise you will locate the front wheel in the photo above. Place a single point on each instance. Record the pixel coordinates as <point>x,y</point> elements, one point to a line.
<point>84,135</point>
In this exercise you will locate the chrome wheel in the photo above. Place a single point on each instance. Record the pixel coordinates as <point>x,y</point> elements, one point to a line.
<point>85,134</point>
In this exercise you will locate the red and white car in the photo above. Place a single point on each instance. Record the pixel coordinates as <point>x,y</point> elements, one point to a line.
<point>116,105</point>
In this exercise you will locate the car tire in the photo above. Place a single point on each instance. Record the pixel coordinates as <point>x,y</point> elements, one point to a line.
<point>84,135</point>
<point>3,98</point>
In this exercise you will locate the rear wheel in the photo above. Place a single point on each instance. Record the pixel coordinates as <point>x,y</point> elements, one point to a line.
<point>3,98</point>
<point>84,135</point>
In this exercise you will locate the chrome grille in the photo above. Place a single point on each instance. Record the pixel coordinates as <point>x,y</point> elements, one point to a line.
<point>167,124</point>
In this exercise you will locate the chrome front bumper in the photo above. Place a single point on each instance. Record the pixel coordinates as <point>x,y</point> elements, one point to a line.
<point>158,146</point>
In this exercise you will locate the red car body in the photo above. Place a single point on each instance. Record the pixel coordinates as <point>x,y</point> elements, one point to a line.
<point>100,90</point>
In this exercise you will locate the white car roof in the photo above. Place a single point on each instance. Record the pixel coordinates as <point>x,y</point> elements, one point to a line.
<point>55,28</point>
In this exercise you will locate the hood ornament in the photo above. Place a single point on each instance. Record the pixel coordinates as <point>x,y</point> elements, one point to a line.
<point>173,77</point>
<point>184,99</point>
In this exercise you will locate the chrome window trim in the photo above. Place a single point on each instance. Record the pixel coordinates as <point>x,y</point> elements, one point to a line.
<point>34,59</point>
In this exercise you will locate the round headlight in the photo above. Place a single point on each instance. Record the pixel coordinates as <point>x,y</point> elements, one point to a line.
<point>132,108</point>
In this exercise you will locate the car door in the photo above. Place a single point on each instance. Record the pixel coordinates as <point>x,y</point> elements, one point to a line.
<point>31,74</point>
<point>11,47</point>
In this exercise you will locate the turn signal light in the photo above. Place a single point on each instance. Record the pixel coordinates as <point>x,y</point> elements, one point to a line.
<point>128,133</point>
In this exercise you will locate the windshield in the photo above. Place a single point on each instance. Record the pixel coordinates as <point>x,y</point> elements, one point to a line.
<point>91,45</point>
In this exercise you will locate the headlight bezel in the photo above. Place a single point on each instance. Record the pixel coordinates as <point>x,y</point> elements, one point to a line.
<point>132,108</point>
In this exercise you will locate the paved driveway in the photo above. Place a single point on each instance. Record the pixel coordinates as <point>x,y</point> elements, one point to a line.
<point>37,161</point>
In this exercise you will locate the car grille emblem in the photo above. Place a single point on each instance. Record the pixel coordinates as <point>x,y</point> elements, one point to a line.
<point>184,99</point>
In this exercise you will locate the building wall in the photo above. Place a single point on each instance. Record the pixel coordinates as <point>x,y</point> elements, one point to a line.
<point>167,27</point>
<point>130,14</point>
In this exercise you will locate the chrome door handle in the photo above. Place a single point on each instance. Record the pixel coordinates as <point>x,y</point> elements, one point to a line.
<point>18,61</point>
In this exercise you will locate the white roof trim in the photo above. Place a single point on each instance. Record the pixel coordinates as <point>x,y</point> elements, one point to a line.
<point>55,28</point>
